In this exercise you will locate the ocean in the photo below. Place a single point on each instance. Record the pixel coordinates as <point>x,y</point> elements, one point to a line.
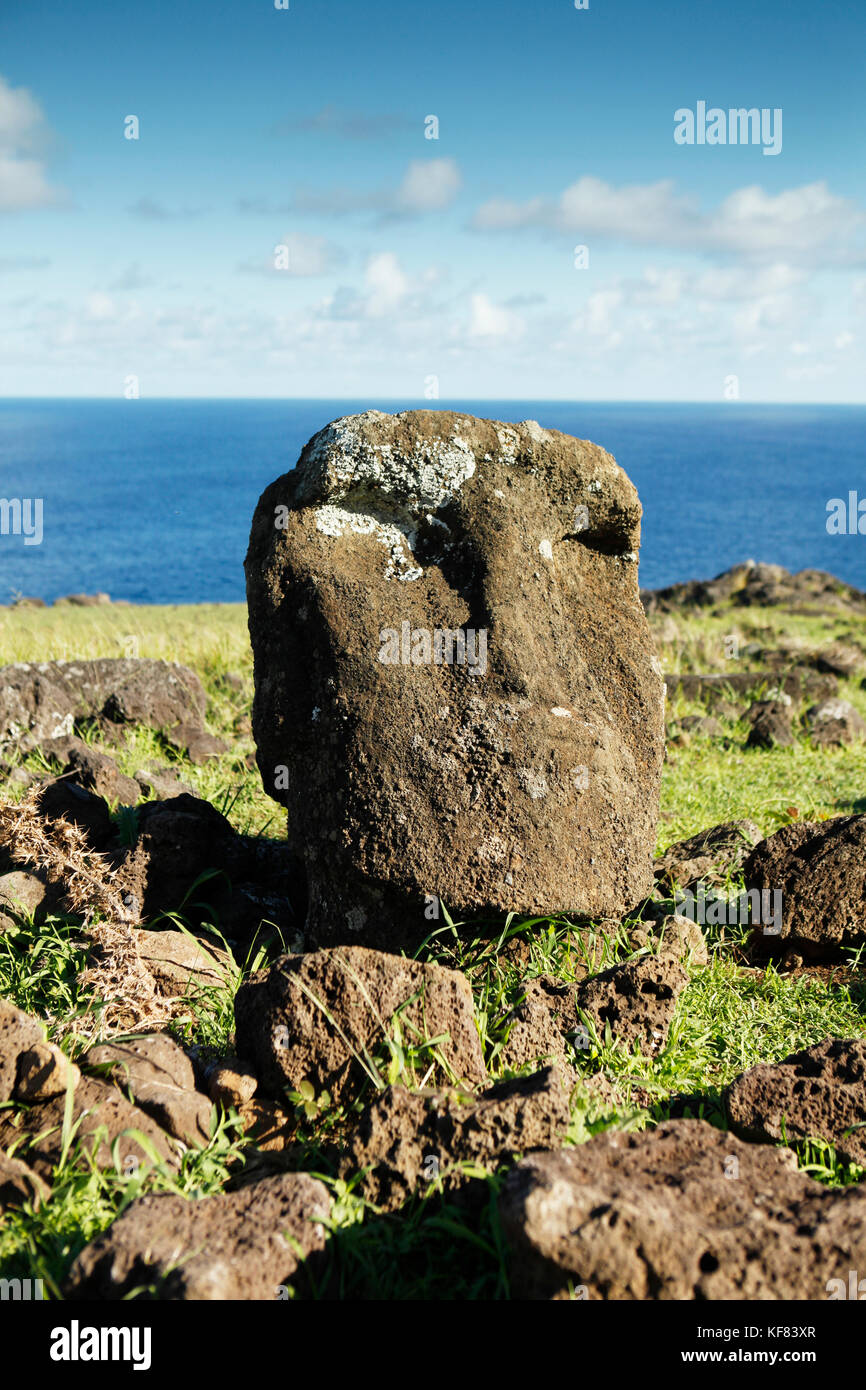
<point>151,500</point>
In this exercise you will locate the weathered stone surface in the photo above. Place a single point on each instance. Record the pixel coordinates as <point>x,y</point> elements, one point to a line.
<point>179,962</point>
<point>19,1184</point>
<point>771,729</point>
<point>545,1026</point>
<point>702,725</point>
<point>44,1071</point>
<point>99,773</point>
<point>314,1017</point>
<point>780,704</point>
<point>271,1127</point>
<point>159,1077</point>
<point>83,600</point>
<point>22,893</point>
<point>834,723</point>
<point>177,842</point>
<point>195,742</point>
<point>638,1000</point>
<point>244,880</point>
<point>818,1093</point>
<point>709,857</point>
<point>149,979</point>
<point>162,783</point>
<point>231,1083</point>
<point>406,1140</point>
<point>820,870</point>
<point>43,700</point>
<point>530,786</point>
<point>100,1115</point>
<point>66,800</point>
<point>18,1033</point>
<point>840,659</point>
<point>684,1211</point>
<point>235,1245</point>
<point>678,936</point>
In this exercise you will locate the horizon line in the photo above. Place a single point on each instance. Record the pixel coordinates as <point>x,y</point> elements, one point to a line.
<point>438,404</point>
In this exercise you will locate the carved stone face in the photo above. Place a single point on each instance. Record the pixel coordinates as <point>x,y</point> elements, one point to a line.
<point>457,695</point>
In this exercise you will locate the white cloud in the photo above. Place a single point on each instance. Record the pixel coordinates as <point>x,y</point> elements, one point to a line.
<point>386,284</point>
<point>23,184</point>
<point>489,320</point>
<point>603,312</point>
<point>386,289</point>
<point>100,306</point>
<point>429,185</point>
<point>738,282</point>
<point>806,222</point>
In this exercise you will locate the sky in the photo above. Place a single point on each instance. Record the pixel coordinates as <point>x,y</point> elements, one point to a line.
<point>285,225</point>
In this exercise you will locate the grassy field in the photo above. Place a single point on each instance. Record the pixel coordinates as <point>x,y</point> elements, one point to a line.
<point>730,1016</point>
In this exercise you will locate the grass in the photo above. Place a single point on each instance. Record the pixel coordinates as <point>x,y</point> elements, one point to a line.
<point>729,1017</point>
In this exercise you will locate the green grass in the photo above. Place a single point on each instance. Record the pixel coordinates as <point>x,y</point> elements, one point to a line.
<point>439,1246</point>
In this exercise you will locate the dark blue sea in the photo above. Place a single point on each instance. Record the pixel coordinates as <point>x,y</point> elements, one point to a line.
<point>151,501</point>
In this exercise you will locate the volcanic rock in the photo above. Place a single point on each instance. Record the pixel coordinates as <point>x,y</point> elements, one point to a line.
<point>44,700</point>
<point>710,856</point>
<point>317,1018</point>
<point>234,1245</point>
<point>684,1211</point>
<point>820,870</point>
<point>638,1000</point>
<point>408,1139</point>
<point>518,772</point>
<point>818,1093</point>
<point>159,1077</point>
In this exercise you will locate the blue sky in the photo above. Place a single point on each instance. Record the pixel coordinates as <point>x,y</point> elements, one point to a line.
<point>417,265</point>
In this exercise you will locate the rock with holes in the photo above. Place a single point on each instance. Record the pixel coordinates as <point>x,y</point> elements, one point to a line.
<point>636,1000</point>
<point>187,857</point>
<point>545,1026</point>
<point>43,1072</point>
<point>771,730</point>
<point>97,772</point>
<point>816,872</point>
<point>684,1211</point>
<point>23,895</point>
<point>407,1140</point>
<point>234,1245</point>
<point>324,1018</point>
<point>457,695</point>
<point>819,1093</point>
